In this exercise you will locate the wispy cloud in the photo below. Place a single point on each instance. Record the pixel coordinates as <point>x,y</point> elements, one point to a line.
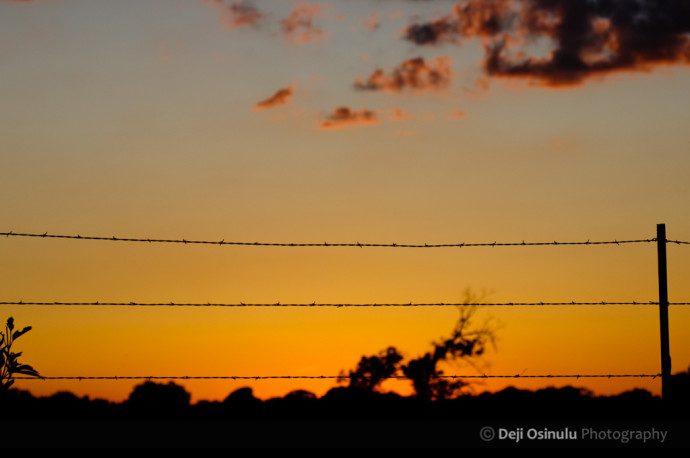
<point>345,117</point>
<point>299,26</point>
<point>280,97</point>
<point>237,13</point>
<point>414,74</point>
<point>400,115</point>
<point>458,115</point>
<point>372,21</point>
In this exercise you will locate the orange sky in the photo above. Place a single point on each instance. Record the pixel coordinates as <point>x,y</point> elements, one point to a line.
<point>139,119</point>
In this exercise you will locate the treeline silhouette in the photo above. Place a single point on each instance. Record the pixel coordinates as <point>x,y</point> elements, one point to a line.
<point>363,397</point>
<point>161,415</point>
<point>439,412</point>
<point>171,401</point>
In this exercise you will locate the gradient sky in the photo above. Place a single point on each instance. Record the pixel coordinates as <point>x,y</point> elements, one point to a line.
<point>139,118</point>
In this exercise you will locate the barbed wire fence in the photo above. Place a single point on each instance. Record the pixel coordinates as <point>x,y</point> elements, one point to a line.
<point>663,302</point>
<point>223,242</point>
<point>334,305</point>
<point>338,377</point>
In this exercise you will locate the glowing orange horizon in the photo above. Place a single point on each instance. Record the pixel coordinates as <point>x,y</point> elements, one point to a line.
<point>150,126</point>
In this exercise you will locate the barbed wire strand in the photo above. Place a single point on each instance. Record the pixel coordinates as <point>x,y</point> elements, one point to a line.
<point>678,242</point>
<point>334,305</point>
<point>330,377</point>
<point>323,244</point>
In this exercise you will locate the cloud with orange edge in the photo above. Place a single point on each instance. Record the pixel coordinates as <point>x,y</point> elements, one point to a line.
<point>416,74</point>
<point>280,97</point>
<point>345,117</point>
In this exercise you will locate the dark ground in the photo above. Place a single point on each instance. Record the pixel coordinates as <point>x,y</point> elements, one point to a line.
<point>161,415</point>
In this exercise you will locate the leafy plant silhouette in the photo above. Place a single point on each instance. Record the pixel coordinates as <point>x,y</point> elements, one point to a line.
<point>9,361</point>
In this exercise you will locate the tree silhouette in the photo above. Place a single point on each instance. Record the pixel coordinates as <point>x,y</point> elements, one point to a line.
<point>9,361</point>
<point>467,342</point>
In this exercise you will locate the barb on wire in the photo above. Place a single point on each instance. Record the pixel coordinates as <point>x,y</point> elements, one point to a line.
<point>332,377</point>
<point>320,244</point>
<point>334,304</point>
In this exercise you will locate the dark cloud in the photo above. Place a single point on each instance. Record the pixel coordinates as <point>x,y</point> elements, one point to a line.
<point>597,37</point>
<point>587,37</point>
<point>414,74</point>
<point>485,17</point>
<point>281,97</point>
<point>344,117</point>
<point>468,18</point>
<point>441,30</point>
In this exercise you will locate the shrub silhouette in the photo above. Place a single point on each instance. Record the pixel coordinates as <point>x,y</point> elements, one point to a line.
<point>372,371</point>
<point>158,399</point>
<point>9,360</point>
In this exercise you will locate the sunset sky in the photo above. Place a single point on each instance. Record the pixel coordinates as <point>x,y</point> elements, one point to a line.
<point>401,121</point>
